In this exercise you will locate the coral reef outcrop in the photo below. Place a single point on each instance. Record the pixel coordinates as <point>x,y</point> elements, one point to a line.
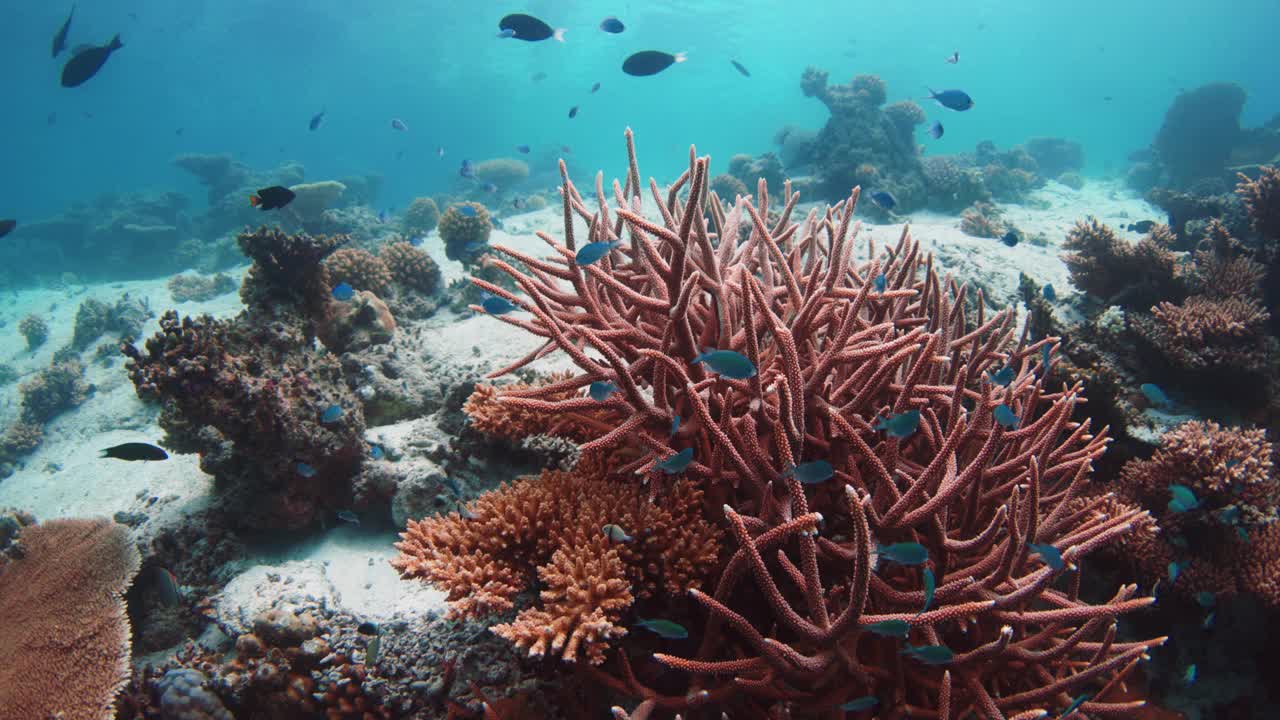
<point>464,228</point>
<point>1199,130</point>
<point>420,217</point>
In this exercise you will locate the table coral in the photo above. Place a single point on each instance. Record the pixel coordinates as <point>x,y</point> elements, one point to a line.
<point>65,634</point>
<point>1224,468</point>
<point>834,357</point>
<point>554,523</point>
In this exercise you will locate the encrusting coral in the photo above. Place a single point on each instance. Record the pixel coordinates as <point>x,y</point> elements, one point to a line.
<point>555,523</point>
<point>65,635</point>
<point>789,622</point>
<point>1230,541</point>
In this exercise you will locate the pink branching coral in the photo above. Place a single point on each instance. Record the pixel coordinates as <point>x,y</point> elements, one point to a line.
<point>1227,543</point>
<point>788,625</point>
<point>1262,199</point>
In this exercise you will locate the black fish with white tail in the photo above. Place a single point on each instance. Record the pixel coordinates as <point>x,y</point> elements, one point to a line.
<point>529,28</point>
<point>60,39</point>
<point>650,62</point>
<point>135,451</point>
<point>84,65</point>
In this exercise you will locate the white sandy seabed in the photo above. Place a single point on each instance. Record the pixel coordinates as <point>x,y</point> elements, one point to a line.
<point>65,477</point>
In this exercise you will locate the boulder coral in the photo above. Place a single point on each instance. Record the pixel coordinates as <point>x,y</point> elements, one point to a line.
<point>504,172</point>
<point>410,267</point>
<point>464,233</point>
<point>421,217</point>
<point>358,268</point>
<point>1198,132</point>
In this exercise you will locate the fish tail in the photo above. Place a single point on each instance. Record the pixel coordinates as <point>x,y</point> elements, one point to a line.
<point>682,56</point>
<point>115,43</point>
<point>558,34</point>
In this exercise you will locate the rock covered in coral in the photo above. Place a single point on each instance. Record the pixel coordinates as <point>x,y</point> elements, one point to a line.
<point>287,280</point>
<point>200,288</point>
<point>183,696</point>
<point>35,330</point>
<point>1055,156</point>
<point>1199,130</point>
<point>265,396</point>
<point>421,217</point>
<point>53,390</point>
<point>951,185</point>
<point>465,229</point>
<point>728,187</point>
<point>410,267</point>
<point>355,324</point>
<point>1119,272</point>
<point>750,170</point>
<point>95,317</point>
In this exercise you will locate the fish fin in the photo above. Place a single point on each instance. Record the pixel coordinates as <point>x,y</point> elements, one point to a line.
<point>681,56</point>
<point>115,43</point>
<point>558,34</point>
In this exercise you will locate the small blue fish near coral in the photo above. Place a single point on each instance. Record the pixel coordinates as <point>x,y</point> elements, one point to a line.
<point>1003,376</point>
<point>347,516</point>
<point>331,414</point>
<point>612,25</point>
<point>936,130</point>
<point>1183,499</point>
<point>593,252</point>
<point>1004,415</point>
<point>1010,238</point>
<point>812,473</point>
<point>890,628</point>
<point>600,390</point>
<point>467,210</point>
<point>930,587</point>
<point>1229,515</point>
<point>675,426</point>
<point>677,463</point>
<point>880,283</point>
<point>376,452</point>
<point>1049,293</point>
<point>884,199</point>
<point>730,364</point>
<point>929,654</point>
<point>1075,705</point>
<point>866,702</point>
<point>1154,394</point>
<point>1189,675</point>
<point>305,470</point>
<point>957,100</point>
<point>1050,554</point>
<point>900,425</point>
<point>615,533</point>
<point>495,305</point>
<point>664,628</point>
<point>466,169</point>
<point>904,553</point>
<point>343,292</point>
<point>1175,567</point>
<point>522,149</point>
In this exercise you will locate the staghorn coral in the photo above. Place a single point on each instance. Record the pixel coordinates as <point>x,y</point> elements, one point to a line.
<point>65,635</point>
<point>410,267</point>
<point>200,288</point>
<point>1261,199</point>
<point>1205,333</point>
<point>35,330</point>
<point>783,631</point>
<point>513,422</point>
<point>1229,470</point>
<point>359,268</point>
<point>464,235</point>
<point>420,217</point>
<point>1119,273</point>
<point>554,523</point>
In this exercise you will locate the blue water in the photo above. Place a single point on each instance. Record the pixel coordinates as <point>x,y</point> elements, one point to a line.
<point>244,78</point>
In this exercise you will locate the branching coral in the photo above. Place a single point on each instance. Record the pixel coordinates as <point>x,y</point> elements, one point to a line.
<point>1215,544</point>
<point>514,421</point>
<point>832,355</point>
<point>1262,200</point>
<point>1116,272</point>
<point>555,523</point>
<point>65,634</point>
<point>1209,333</point>
<point>982,220</point>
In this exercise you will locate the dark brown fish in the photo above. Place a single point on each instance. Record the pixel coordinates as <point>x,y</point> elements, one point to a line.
<point>135,451</point>
<point>60,39</point>
<point>7,226</point>
<point>86,64</point>
<point>650,62</point>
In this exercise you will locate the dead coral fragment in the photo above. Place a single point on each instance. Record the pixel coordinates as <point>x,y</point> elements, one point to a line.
<point>552,524</point>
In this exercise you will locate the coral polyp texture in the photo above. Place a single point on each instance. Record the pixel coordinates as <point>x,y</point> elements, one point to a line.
<point>65,632</point>
<point>791,621</point>
<point>1229,542</point>
<point>410,267</point>
<point>589,581</point>
<point>359,268</point>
